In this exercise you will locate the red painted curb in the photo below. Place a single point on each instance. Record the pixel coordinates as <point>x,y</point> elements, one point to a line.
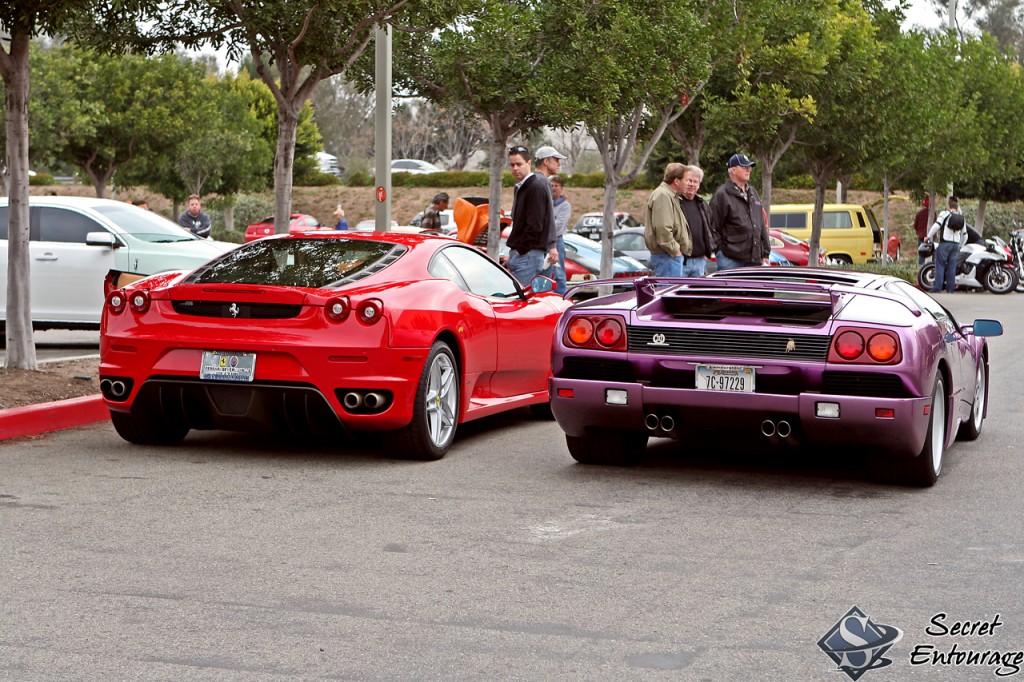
<point>62,414</point>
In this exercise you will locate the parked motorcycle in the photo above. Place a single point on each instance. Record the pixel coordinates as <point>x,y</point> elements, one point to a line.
<point>979,266</point>
<point>1017,250</point>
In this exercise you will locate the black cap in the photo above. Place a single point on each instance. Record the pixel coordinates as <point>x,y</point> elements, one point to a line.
<point>740,160</point>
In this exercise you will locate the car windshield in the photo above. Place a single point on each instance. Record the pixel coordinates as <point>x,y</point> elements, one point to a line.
<point>628,221</point>
<point>145,225</point>
<point>311,263</point>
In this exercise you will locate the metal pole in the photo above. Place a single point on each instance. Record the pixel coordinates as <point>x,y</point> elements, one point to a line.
<point>382,134</point>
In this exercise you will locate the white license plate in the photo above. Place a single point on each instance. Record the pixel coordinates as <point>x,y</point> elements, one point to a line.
<point>227,366</point>
<point>727,378</point>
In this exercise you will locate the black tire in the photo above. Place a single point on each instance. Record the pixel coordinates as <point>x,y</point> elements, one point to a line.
<point>435,414</point>
<point>611,447</point>
<point>155,430</point>
<point>924,469</point>
<point>1000,280</point>
<point>926,277</point>
<point>971,429</point>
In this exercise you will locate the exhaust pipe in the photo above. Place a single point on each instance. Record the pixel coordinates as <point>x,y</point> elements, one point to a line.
<point>784,429</point>
<point>768,428</point>
<point>105,385</point>
<point>117,389</point>
<point>651,421</point>
<point>667,424</point>
<point>352,400</point>
<point>373,401</point>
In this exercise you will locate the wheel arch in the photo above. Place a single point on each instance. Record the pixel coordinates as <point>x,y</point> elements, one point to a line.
<point>450,339</point>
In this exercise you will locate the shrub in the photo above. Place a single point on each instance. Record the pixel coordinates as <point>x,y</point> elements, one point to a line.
<point>317,179</point>
<point>40,179</point>
<point>359,179</point>
<point>905,269</point>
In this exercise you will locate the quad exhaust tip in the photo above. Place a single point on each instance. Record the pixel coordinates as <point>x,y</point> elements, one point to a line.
<point>782,428</point>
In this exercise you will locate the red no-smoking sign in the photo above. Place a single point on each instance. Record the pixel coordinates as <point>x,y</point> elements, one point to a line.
<point>381,194</point>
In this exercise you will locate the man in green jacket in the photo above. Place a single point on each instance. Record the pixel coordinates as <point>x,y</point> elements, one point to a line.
<point>665,229</point>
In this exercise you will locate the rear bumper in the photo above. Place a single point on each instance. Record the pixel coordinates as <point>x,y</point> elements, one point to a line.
<point>858,423</point>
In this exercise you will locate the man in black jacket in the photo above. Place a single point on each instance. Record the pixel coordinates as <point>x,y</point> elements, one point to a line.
<point>737,219</point>
<point>698,220</point>
<point>533,224</point>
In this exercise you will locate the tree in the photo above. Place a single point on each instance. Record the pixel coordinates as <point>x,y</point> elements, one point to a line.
<point>107,112</point>
<point>293,45</point>
<point>628,92</point>
<point>19,22</point>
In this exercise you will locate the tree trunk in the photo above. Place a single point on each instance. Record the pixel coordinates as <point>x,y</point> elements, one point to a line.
<point>608,224</point>
<point>498,158</point>
<point>819,209</point>
<point>284,159</point>
<point>21,350</point>
<point>767,171</point>
<point>886,188</point>
<point>979,218</point>
<point>229,216</point>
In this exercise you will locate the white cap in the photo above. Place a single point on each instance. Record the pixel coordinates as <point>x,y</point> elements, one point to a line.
<point>547,153</point>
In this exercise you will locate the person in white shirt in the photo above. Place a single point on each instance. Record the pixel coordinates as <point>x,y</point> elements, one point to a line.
<point>949,234</point>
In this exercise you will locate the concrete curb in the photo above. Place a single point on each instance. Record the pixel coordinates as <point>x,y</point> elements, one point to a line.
<point>30,420</point>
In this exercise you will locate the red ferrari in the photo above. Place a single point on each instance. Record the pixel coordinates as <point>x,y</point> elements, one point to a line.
<point>320,331</point>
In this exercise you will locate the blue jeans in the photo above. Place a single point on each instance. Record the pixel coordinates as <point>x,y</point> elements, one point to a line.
<point>920,259</point>
<point>558,273</point>
<point>945,266</point>
<point>524,267</point>
<point>694,266</point>
<point>665,265</point>
<point>726,263</point>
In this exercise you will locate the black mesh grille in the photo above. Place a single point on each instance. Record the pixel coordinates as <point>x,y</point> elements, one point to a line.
<point>865,384</point>
<point>735,344</point>
<point>597,369</point>
<point>251,311</point>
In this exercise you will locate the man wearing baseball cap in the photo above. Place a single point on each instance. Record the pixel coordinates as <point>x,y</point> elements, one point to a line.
<point>737,219</point>
<point>548,163</point>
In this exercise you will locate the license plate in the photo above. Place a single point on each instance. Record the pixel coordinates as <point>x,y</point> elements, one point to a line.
<point>227,366</point>
<point>727,378</point>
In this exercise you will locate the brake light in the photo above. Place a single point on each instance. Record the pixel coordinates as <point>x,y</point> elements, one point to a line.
<point>116,301</point>
<point>849,345</point>
<point>882,347</point>
<point>370,311</point>
<point>598,332</point>
<point>337,309</point>
<point>865,346</point>
<point>138,301</point>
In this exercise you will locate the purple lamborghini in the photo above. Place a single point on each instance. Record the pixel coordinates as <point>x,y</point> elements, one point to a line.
<point>801,355</point>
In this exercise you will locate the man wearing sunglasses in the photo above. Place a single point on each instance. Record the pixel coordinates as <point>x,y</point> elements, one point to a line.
<point>533,223</point>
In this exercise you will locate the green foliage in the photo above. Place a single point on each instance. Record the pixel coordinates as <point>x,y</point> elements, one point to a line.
<point>40,179</point>
<point>359,179</point>
<point>1000,218</point>
<point>318,179</point>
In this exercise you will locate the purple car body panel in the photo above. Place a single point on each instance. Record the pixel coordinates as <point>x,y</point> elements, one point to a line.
<point>779,326</point>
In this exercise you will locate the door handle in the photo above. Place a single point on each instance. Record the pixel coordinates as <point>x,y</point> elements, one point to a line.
<point>47,257</point>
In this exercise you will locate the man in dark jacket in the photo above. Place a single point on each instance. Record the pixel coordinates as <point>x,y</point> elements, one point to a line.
<point>533,224</point>
<point>698,220</point>
<point>737,219</point>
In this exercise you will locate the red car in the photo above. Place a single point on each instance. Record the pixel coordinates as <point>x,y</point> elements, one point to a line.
<point>795,250</point>
<point>321,332</point>
<point>300,222</point>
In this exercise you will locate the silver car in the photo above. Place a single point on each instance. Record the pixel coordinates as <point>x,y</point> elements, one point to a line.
<point>76,242</point>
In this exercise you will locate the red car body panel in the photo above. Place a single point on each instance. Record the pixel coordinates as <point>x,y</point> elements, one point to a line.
<point>502,346</point>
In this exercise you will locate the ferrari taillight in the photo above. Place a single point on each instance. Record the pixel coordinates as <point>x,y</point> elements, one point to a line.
<point>337,309</point>
<point>600,332</point>
<point>138,301</point>
<point>370,311</point>
<point>116,301</point>
<point>865,346</point>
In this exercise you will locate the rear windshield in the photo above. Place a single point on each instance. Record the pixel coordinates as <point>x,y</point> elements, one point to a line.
<point>312,263</point>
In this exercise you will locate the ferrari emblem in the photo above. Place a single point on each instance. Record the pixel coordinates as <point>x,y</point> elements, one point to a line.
<point>233,309</point>
<point>790,346</point>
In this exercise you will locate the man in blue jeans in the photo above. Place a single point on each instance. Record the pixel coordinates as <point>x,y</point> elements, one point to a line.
<point>533,223</point>
<point>949,234</point>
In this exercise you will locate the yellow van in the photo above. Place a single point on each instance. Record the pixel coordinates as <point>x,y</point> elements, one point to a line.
<point>848,232</point>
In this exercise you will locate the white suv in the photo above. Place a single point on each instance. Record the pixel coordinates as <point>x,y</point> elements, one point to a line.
<point>76,242</point>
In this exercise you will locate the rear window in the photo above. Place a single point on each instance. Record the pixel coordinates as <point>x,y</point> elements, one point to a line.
<point>311,263</point>
<point>780,221</point>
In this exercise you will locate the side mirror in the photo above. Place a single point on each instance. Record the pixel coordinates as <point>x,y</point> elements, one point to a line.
<point>988,328</point>
<point>102,239</point>
<point>541,284</point>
